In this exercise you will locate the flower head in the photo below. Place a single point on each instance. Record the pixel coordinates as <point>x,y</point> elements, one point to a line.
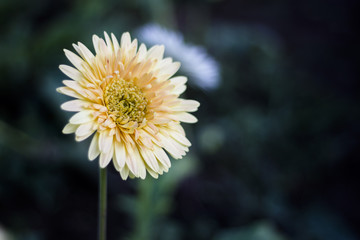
<point>196,62</point>
<point>127,97</point>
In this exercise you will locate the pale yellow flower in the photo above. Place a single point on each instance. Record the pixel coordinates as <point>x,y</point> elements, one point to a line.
<point>127,97</point>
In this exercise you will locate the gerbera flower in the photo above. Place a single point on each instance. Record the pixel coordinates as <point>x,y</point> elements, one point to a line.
<point>127,97</point>
<point>201,68</point>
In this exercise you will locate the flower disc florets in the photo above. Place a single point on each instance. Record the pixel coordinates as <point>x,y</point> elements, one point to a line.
<point>125,102</point>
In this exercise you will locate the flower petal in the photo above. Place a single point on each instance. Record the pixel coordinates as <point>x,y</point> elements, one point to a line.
<point>69,92</point>
<point>71,72</point>
<point>186,106</point>
<point>115,43</point>
<point>84,129</point>
<point>162,156</point>
<point>82,117</point>
<point>140,163</point>
<point>174,150</point>
<point>81,138</point>
<point>156,52</point>
<point>95,40</point>
<point>149,158</point>
<point>135,162</point>
<point>120,154</point>
<point>94,150</point>
<point>142,52</point>
<point>105,157</point>
<point>179,83</point>
<point>184,117</point>
<point>124,172</point>
<point>180,138</point>
<point>125,40</point>
<point>130,162</point>
<point>74,59</point>
<point>105,141</point>
<point>84,52</point>
<point>152,173</point>
<point>70,128</point>
<point>74,86</point>
<point>108,42</point>
<point>170,69</point>
<point>73,106</point>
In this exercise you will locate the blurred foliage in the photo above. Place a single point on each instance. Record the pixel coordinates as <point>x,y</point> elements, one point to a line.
<point>257,231</point>
<point>275,153</point>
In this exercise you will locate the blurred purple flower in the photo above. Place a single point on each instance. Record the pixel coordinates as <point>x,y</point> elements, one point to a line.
<point>196,63</point>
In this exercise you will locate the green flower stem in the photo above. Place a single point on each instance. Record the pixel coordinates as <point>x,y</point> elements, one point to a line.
<point>102,204</point>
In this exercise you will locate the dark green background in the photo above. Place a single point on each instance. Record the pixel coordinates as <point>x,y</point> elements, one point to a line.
<point>275,152</point>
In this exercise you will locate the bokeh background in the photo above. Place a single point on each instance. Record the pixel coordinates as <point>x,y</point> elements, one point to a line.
<point>275,153</point>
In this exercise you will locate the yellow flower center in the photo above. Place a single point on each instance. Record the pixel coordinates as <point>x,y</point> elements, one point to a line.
<point>125,101</point>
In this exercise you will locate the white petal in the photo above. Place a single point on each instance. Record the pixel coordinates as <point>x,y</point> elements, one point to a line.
<point>125,40</point>
<point>153,174</point>
<point>108,41</point>
<point>184,117</point>
<point>149,159</point>
<point>179,80</point>
<point>156,52</point>
<point>183,147</point>
<point>74,59</point>
<point>116,165</point>
<point>140,163</point>
<point>94,150</point>
<point>103,48</point>
<point>70,128</point>
<point>124,172</point>
<point>96,39</point>
<point>180,138</point>
<point>135,162</point>
<point>130,161</point>
<point>163,168</point>
<point>82,117</point>
<point>179,90</point>
<point>162,156</point>
<point>179,83</point>
<point>133,48</point>
<point>84,129</point>
<point>171,69</point>
<point>165,63</point>
<point>105,158</point>
<point>84,52</point>
<point>105,141</point>
<point>170,148</point>
<point>120,153</point>
<point>186,106</point>
<point>71,72</point>
<point>81,138</point>
<point>69,92</point>
<point>73,106</point>
<point>74,86</point>
<point>115,43</point>
<point>142,52</point>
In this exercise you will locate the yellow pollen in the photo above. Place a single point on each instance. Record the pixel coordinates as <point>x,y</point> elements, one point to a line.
<point>125,101</point>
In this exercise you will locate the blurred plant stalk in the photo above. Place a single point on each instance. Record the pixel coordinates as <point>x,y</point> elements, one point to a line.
<point>102,203</point>
<point>155,198</point>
